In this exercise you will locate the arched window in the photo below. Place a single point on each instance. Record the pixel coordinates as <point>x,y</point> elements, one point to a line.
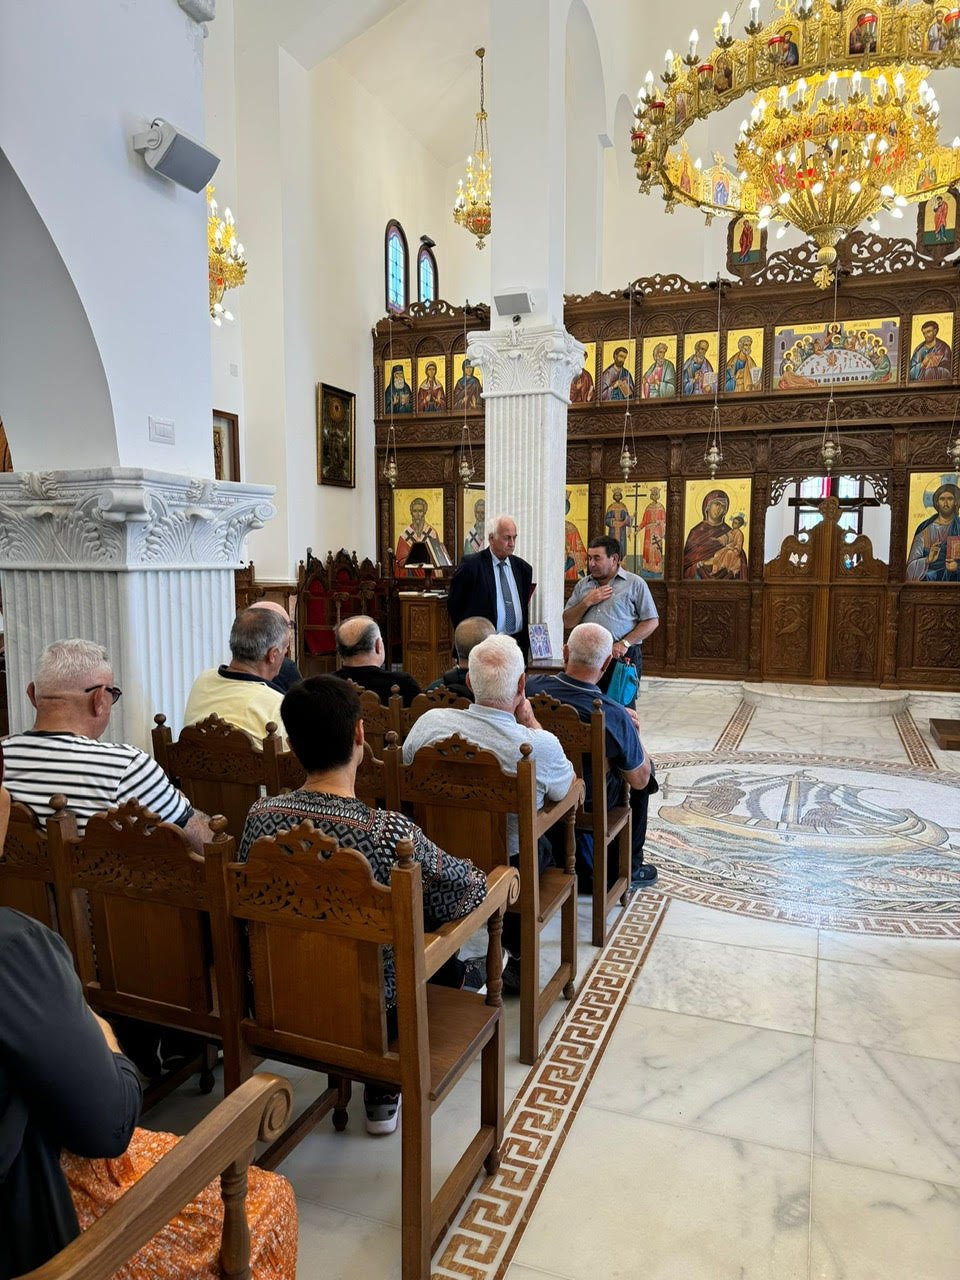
<point>396,267</point>
<point>426,274</point>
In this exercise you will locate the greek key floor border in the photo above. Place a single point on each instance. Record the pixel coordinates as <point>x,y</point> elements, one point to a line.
<point>484,1236</point>
<point>736,727</point>
<point>918,753</point>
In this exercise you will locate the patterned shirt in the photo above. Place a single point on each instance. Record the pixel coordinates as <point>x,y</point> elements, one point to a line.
<point>452,887</point>
<point>630,603</point>
<point>94,776</point>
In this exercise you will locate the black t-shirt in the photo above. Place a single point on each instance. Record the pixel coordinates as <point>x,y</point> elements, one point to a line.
<point>381,681</point>
<point>60,1087</point>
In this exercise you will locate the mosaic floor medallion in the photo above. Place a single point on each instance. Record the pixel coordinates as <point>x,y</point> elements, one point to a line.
<point>855,845</point>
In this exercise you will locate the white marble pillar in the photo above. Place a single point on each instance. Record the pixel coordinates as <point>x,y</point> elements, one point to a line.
<point>140,561</point>
<point>528,366</point>
<point>526,376</point>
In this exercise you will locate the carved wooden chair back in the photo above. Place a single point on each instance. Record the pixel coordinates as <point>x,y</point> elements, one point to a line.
<point>585,746</point>
<point>379,718</point>
<point>218,767</point>
<point>136,895</point>
<point>309,922</point>
<point>426,701</point>
<point>26,869</point>
<point>371,781</point>
<point>460,796</point>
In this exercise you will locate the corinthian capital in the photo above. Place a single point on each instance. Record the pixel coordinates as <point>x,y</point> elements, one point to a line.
<point>527,361</point>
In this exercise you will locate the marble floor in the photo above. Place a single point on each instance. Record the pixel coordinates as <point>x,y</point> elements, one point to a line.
<point>739,1094</point>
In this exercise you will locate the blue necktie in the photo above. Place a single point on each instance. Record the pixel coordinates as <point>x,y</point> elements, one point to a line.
<point>509,613</point>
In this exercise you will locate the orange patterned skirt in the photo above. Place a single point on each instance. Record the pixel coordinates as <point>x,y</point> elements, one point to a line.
<point>189,1246</point>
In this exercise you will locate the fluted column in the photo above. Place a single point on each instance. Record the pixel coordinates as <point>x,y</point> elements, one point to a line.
<point>140,561</point>
<point>526,374</point>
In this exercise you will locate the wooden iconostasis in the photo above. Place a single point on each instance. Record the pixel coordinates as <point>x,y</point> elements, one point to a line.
<point>711,549</point>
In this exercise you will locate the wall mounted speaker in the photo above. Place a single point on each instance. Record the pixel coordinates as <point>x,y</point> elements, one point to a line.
<point>176,156</point>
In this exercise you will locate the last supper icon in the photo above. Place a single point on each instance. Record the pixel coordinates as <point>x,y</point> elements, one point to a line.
<point>836,353</point>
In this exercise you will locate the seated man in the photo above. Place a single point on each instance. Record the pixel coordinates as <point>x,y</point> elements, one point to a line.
<point>241,691</point>
<point>289,672</point>
<point>64,1082</point>
<point>322,719</point>
<point>69,1101</point>
<point>586,656</point>
<point>468,634</point>
<point>500,720</point>
<point>74,693</point>
<point>362,654</point>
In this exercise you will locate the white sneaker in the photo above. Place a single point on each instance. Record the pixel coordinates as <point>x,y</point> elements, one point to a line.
<point>383,1114</point>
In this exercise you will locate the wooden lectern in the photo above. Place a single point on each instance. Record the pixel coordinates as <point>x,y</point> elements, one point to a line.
<point>425,627</point>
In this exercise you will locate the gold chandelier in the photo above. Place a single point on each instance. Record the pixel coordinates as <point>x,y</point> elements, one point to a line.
<point>843,123</point>
<point>471,206</point>
<point>226,262</point>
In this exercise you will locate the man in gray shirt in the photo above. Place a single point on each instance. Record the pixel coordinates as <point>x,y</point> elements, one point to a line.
<point>616,600</point>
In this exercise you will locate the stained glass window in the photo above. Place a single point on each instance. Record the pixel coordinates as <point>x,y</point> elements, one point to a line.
<point>427,273</point>
<point>396,267</point>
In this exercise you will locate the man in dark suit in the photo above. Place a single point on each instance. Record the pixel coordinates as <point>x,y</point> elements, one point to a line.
<point>495,584</point>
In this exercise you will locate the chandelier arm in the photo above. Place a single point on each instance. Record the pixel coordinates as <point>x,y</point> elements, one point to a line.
<point>867,139</point>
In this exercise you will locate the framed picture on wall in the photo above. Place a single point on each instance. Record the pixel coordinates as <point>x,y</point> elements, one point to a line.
<point>336,437</point>
<point>226,445</point>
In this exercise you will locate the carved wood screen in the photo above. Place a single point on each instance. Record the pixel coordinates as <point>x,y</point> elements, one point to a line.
<point>824,603</point>
<point>888,429</point>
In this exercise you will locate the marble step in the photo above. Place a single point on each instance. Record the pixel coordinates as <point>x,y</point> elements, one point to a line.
<point>829,700</point>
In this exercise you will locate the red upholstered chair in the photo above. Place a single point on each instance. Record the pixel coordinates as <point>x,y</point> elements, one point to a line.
<point>333,589</point>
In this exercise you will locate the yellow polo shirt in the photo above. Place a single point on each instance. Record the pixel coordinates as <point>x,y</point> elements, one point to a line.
<point>244,700</point>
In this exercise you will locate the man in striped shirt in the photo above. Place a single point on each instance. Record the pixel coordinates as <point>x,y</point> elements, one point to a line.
<point>74,693</point>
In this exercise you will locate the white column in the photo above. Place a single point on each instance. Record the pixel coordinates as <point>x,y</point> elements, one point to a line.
<point>527,373</point>
<point>527,366</point>
<point>140,561</point>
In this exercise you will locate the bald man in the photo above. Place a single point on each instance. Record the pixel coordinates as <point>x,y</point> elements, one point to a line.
<point>362,655</point>
<point>469,633</point>
<point>289,673</point>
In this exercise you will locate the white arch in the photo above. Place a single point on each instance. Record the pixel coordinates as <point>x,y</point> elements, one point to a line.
<point>585,122</point>
<point>54,398</point>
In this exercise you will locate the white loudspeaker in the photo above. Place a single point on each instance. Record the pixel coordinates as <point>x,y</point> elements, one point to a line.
<point>176,156</point>
<point>517,302</point>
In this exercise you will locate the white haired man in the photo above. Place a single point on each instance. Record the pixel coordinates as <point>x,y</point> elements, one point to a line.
<point>363,654</point>
<point>500,720</point>
<point>496,585</point>
<point>73,693</point>
<point>289,673</point>
<point>586,655</point>
<point>241,691</point>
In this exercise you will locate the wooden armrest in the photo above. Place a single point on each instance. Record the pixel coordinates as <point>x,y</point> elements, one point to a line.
<point>258,1110</point>
<point>503,887</point>
<point>554,810</point>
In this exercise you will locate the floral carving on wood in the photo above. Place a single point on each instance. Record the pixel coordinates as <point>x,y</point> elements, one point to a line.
<point>855,629</point>
<point>789,645</point>
<point>936,635</point>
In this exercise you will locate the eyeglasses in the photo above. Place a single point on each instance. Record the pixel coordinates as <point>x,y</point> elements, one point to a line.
<point>114,692</point>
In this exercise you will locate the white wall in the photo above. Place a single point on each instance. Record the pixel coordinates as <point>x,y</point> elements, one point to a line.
<point>220,114</point>
<point>322,168</point>
<point>76,81</point>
